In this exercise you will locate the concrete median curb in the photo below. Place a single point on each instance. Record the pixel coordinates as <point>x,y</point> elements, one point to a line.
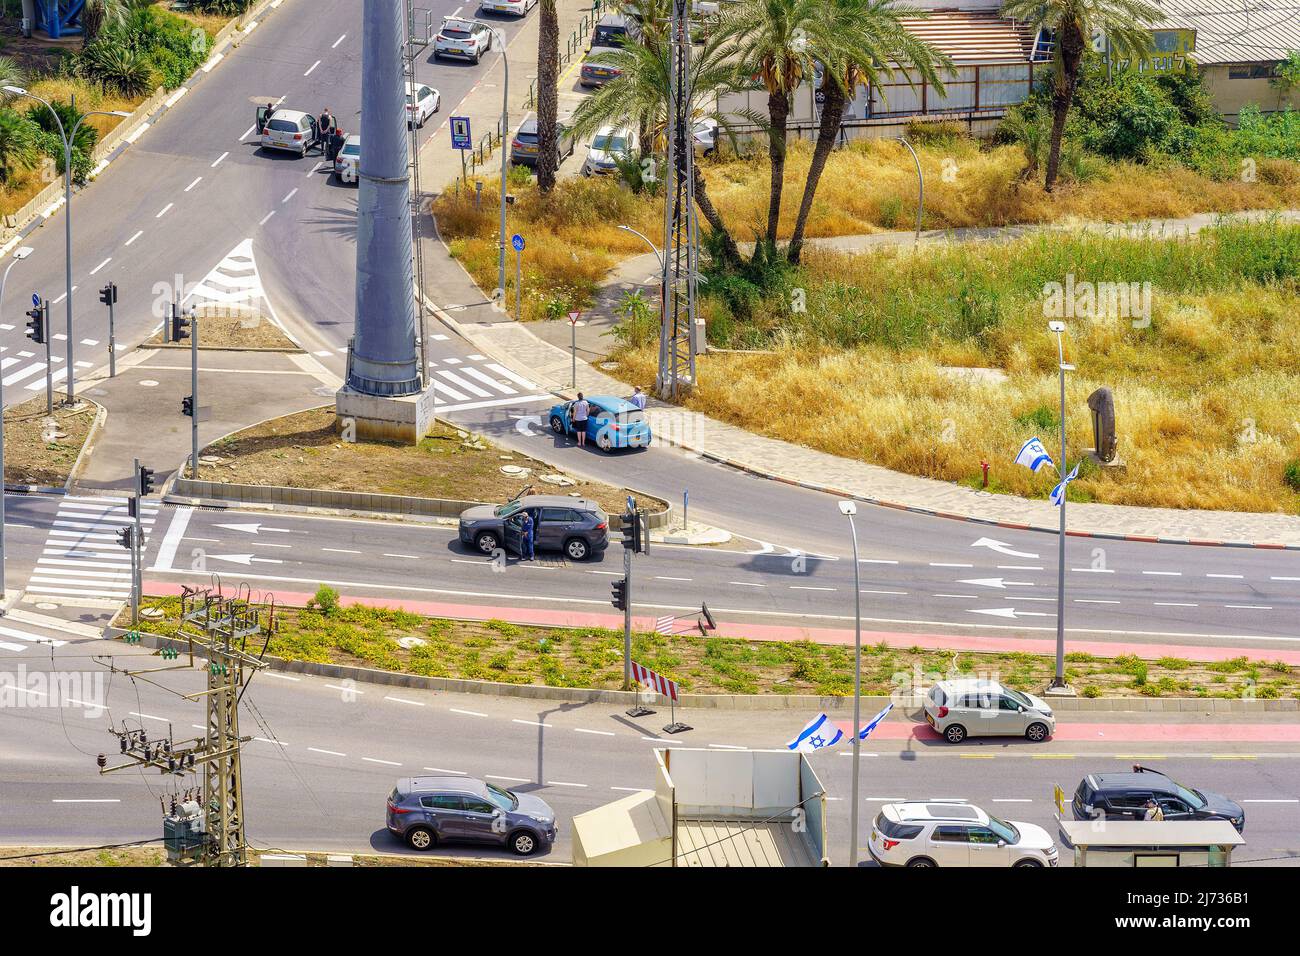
<point>768,702</point>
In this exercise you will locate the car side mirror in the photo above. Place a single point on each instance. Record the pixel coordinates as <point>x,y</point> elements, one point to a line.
<point>1001,844</point>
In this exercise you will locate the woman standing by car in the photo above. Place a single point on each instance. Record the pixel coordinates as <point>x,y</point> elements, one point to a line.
<point>581,411</point>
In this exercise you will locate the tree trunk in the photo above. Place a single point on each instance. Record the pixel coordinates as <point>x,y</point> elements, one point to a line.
<point>1072,45</point>
<point>778,108</point>
<point>548,73</point>
<point>92,22</point>
<point>829,129</point>
<point>729,251</point>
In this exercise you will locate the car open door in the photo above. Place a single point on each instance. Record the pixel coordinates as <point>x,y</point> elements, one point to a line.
<point>263,114</point>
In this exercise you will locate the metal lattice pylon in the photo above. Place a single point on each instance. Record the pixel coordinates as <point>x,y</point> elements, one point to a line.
<point>677,329</point>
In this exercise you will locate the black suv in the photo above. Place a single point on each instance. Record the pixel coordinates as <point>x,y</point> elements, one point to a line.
<point>1124,796</point>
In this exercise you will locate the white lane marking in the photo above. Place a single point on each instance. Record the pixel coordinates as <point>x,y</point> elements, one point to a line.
<point>266,217</point>
<point>865,591</point>
<point>458,773</point>
<point>1173,604</point>
<point>884,799</point>
<point>1169,574</point>
<point>1233,576</point>
<point>632,789</point>
<point>342,550</point>
<point>341,38</point>
<point>747,584</point>
<point>311,68</point>
<point>1019,567</point>
<point>1012,800</point>
<point>413,557</point>
<point>658,577</point>
<point>1094,570</point>
<point>350,690</point>
<point>1271,801</point>
<point>954,595</point>
<point>332,753</point>
<point>616,574</point>
<point>164,210</point>
<point>947,564</point>
<point>65,800</point>
<point>247,131</point>
<point>1089,601</point>
<point>148,716</point>
<point>387,763</point>
<point>562,783</point>
<point>101,265</point>
<point>808,587</point>
<point>292,192</point>
<point>403,700</point>
<point>501,776</point>
<point>267,740</point>
<point>271,673</point>
<point>1281,578</point>
<point>171,541</point>
<point>197,180</point>
<point>530,723</point>
<point>134,238</point>
<point>875,561</point>
<point>602,733</point>
<point>1250,607</point>
<point>467,713</point>
<point>728,747</point>
<point>222,156</point>
<point>310,173</point>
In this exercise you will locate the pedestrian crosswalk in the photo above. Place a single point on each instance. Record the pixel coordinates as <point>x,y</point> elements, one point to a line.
<point>15,640</point>
<point>233,287</point>
<point>31,371</point>
<point>478,382</point>
<point>82,557</point>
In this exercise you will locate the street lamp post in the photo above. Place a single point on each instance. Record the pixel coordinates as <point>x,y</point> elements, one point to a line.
<point>499,38</point>
<point>658,256</point>
<point>20,254</point>
<point>1058,680</point>
<point>68,139</point>
<point>920,186</point>
<point>849,509</point>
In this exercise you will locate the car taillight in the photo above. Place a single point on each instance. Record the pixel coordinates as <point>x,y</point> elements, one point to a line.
<point>392,808</point>
<point>297,135</point>
<point>472,42</point>
<point>888,844</point>
<point>943,711</point>
<point>602,526</point>
<point>516,144</point>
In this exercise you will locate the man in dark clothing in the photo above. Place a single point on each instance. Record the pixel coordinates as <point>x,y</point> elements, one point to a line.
<point>326,126</point>
<point>334,144</point>
<point>527,539</point>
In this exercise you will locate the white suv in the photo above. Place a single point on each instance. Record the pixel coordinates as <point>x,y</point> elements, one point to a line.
<point>467,39</point>
<point>971,707</point>
<point>955,834</point>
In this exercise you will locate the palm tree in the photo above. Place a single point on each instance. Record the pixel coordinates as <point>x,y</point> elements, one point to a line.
<point>11,74</point>
<point>1126,24</point>
<point>548,74</point>
<point>774,42</point>
<point>870,43</point>
<point>96,15</point>
<point>639,94</point>
<point>19,146</point>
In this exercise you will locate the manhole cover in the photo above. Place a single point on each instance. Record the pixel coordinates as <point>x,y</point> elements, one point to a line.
<point>211,459</point>
<point>152,613</point>
<point>148,383</point>
<point>514,471</point>
<point>410,642</point>
<point>47,606</point>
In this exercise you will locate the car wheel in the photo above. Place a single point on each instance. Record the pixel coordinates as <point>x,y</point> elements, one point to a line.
<point>921,862</point>
<point>1036,732</point>
<point>421,838</point>
<point>1028,865</point>
<point>557,424</point>
<point>487,542</point>
<point>577,549</point>
<point>523,842</point>
<point>955,733</point>
<point>477,57</point>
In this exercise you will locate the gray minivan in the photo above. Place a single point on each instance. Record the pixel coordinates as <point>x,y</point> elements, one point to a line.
<point>426,811</point>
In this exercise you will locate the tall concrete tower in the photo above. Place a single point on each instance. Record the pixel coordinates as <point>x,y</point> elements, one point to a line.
<point>384,359</point>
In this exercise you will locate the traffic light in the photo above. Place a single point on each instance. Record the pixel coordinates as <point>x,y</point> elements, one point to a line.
<point>180,325</point>
<point>126,537</point>
<point>145,481</point>
<point>619,589</point>
<point>108,294</point>
<point>636,532</point>
<point>36,325</point>
<point>187,406</point>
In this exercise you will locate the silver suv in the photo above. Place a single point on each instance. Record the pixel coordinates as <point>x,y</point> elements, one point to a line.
<point>972,707</point>
<point>576,526</point>
<point>426,811</point>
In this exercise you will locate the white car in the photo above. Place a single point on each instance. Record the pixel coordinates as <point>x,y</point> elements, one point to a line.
<point>927,834</point>
<point>292,130</point>
<point>421,103</point>
<point>465,39</point>
<point>705,134</point>
<point>610,144</point>
<point>347,163</point>
<point>971,707</point>
<point>518,8</point>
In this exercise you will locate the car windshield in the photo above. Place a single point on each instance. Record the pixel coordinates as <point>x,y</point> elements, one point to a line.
<point>610,143</point>
<point>1018,697</point>
<point>1004,830</point>
<point>529,138</point>
<point>502,798</point>
<point>1193,798</point>
<point>352,149</point>
<point>507,509</point>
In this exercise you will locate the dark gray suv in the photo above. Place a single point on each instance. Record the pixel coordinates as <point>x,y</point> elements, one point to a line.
<point>426,811</point>
<point>576,526</point>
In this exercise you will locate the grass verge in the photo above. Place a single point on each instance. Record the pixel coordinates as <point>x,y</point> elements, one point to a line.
<point>353,634</point>
<point>235,332</point>
<point>42,449</point>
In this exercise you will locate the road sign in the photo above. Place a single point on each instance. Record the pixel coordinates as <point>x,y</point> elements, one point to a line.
<point>518,242</point>
<point>36,300</point>
<point>1058,795</point>
<point>573,317</point>
<point>460,136</point>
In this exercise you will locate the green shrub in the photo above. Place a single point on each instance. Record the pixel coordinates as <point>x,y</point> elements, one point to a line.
<point>117,67</point>
<point>326,600</point>
<point>20,145</point>
<point>1291,474</point>
<point>1091,691</point>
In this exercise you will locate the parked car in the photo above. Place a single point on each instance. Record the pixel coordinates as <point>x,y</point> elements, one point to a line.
<point>523,148</point>
<point>291,130</point>
<point>611,423</point>
<point>421,103</point>
<point>576,526</point>
<point>465,39</point>
<point>1124,796</point>
<point>426,811</point>
<point>919,834</point>
<point>705,136</point>
<point>608,146</point>
<point>598,68</point>
<point>518,8</point>
<point>970,707</point>
<point>347,164</point>
<point>612,30</point>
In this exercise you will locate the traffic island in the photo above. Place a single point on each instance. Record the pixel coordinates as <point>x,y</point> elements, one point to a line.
<point>42,449</point>
<point>233,333</point>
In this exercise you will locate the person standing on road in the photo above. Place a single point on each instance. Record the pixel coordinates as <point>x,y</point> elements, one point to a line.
<point>335,144</point>
<point>638,398</point>
<point>581,411</point>
<point>325,124</point>
<point>528,538</point>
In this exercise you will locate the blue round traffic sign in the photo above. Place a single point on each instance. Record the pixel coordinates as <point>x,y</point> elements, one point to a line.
<point>36,300</point>
<point>517,242</point>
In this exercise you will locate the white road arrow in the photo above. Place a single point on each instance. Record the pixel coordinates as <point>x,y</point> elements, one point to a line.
<point>524,424</point>
<point>1007,612</point>
<point>998,583</point>
<point>1002,548</point>
<point>243,559</point>
<point>253,528</point>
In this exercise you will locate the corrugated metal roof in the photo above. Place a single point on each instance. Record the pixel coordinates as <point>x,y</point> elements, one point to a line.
<point>973,36</point>
<point>1236,31</point>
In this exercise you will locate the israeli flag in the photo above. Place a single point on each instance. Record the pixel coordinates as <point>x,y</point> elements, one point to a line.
<point>819,734</point>
<point>1033,455</point>
<point>1058,493</point>
<point>865,732</point>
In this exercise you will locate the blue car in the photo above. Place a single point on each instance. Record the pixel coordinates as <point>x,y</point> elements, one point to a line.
<point>612,423</point>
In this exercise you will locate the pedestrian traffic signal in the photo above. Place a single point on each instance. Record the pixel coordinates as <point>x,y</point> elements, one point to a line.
<point>145,482</point>
<point>36,325</point>
<point>108,294</point>
<point>619,589</point>
<point>181,325</point>
<point>126,537</point>
<point>187,406</point>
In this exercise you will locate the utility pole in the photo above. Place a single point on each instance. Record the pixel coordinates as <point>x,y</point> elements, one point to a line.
<point>108,296</point>
<point>1058,679</point>
<point>219,628</point>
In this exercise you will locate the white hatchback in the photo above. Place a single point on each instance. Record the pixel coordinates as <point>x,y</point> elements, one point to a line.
<point>291,130</point>
<point>932,834</point>
<point>972,707</point>
<point>518,8</point>
<point>421,103</point>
